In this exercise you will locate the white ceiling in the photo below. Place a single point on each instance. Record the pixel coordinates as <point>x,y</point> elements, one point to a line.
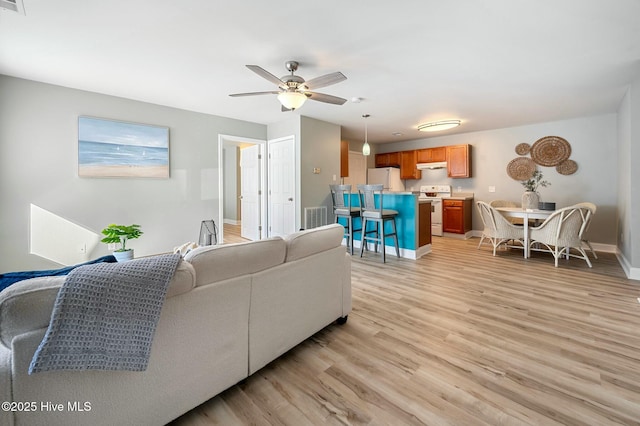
<point>490,63</point>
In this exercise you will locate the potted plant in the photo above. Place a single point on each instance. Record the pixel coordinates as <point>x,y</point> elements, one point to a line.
<point>531,198</point>
<point>120,234</point>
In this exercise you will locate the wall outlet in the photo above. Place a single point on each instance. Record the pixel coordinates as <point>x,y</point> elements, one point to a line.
<point>82,248</point>
<point>316,170</point>
<point>492,189</point>
<point>334,178</point>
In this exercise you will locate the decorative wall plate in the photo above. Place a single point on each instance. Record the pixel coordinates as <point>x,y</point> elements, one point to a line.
<point>521,168</point>
<point>523,148</point>
<point>567,167</point>
<point>550,151</point>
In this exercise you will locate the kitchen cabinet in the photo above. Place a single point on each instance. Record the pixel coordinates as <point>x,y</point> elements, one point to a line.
<point>388,159</point>
<point>456,216</point>
<point>459,161</point>
<point>432,155</point>
<point>408,168</point>
<point>344,159</point>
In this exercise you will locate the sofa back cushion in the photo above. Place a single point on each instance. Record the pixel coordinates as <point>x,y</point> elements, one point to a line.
<point>27,305</point>
<point>218,263</point>
<point>306,243</point>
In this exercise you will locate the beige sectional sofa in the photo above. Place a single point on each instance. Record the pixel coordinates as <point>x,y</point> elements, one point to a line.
<point>229,311</point>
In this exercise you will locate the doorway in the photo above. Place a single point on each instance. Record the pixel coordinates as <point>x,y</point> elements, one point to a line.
<point>242,184</point>
<point>283,195</point>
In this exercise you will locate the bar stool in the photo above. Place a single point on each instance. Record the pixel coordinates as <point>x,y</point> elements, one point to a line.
<point>344,210</point>
<point>370,213</point>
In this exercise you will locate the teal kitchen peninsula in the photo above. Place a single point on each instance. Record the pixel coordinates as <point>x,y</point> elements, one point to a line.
<point>413,224</point>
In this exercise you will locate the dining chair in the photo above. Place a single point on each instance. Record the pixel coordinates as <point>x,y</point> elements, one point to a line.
<point>505,203</point>
<point>369,212</point>
<point>562,231</point>
<point>497,228</point>
<point>586,229</point>
<point>344,210</point>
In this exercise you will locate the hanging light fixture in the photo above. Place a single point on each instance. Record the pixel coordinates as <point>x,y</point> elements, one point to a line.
<point>436,126</point>
<point>292,99</point>
<point>366,149</point>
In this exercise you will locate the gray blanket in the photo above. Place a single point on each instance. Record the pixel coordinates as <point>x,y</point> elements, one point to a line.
<point>105,316</point>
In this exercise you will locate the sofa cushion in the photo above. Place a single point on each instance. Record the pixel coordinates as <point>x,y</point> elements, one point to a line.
<point>305,243</point>
<point>218,263</point>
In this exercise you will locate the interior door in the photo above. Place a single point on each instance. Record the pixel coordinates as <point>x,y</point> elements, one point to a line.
<point>250,192</point>
<point>282,187</point>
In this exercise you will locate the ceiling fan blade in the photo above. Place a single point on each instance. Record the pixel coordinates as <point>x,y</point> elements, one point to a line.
<point>322,97</point>
<point>267,75</point>
<point>325,80</point>
<point>273,92</point>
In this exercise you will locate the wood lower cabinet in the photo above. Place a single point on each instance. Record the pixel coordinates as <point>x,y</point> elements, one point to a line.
<point>456,216</point>
<point>408,165</point>
<point>388,159</point>
<point>459,161</point>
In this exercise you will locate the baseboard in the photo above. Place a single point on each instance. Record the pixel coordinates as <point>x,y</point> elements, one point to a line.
<point>391,250</point>
<point>631,272</point>
<point>231,221</point>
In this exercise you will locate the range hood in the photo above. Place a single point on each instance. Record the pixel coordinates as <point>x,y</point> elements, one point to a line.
<point>432,166</point>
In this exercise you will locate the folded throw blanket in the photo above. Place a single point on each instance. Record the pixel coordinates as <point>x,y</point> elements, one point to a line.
<point>13,277</point>
<point>105,316</point>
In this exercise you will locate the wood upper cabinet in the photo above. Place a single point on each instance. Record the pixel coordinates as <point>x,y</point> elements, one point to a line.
<point>408,169</point>
<point>388,159</point>
<point>459,161</point>
<point>432,155</point>
<point>456,216</point>
<point>344,159</point>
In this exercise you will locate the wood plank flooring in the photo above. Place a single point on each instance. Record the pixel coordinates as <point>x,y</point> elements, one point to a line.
<point>458,337</point>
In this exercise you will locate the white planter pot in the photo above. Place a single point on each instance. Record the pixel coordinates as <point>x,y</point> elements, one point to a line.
<point>530,200</point>
<point>123,256</point>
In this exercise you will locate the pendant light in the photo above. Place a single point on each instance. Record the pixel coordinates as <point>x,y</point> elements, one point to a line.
<point>366,149</point>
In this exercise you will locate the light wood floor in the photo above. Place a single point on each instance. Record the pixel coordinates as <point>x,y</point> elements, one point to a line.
<point>463,338</point>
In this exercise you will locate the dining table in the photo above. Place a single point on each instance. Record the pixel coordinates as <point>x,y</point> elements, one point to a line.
<point>525,214</point>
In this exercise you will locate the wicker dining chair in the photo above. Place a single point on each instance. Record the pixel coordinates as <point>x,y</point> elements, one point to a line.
<point>586,229</point>
<point>561,232</point>
<point>497,228</point>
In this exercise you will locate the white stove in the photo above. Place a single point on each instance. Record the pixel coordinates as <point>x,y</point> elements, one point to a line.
<point>435,194</point>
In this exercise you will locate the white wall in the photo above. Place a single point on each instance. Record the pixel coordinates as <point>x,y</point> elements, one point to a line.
<point>38,158</point>
<point>594,147</point>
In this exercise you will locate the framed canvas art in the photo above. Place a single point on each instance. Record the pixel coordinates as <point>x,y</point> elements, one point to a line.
<point>108,148</point>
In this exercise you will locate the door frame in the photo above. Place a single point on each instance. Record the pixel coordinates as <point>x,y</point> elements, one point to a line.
<point>232,140</point>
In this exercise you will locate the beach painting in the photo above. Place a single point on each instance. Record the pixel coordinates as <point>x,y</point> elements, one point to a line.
<point>108,148</point>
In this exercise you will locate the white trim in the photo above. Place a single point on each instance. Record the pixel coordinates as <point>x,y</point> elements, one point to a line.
<point>231,221</point>
<point>631,272</point>
<point>391,250</point>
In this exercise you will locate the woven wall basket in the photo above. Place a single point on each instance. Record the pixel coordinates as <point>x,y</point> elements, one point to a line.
<point>523,148</point>
<point>521,168</point>
<point>567,167</point>
<point>550,151</point>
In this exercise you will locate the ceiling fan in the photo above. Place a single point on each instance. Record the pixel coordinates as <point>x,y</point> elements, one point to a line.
<point>294,90</point>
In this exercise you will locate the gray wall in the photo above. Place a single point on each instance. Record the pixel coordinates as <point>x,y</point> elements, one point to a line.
<point>38,154</point>
<point>593,142</point>
<point>231,208</point>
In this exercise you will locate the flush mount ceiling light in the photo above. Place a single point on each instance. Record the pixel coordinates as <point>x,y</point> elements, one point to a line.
<point>366,149</point>
<point>436,126</point>
<point>292,100</point>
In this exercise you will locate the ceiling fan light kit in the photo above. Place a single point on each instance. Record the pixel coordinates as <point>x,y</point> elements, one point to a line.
<point>436,126</point>
<point>292,100</point>
<point>294,90</point>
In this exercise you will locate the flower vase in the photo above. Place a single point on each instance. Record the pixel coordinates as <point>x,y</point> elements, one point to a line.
<point>530,200</point>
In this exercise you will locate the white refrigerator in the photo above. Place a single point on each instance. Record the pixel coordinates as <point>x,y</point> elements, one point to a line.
<point>387,176</point>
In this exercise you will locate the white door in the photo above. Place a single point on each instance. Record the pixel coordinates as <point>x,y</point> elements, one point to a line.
<point>282,187</point>
<point>357,170</point>
<point>250,192</point>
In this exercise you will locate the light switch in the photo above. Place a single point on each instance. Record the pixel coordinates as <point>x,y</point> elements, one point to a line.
<point>492,189</point>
